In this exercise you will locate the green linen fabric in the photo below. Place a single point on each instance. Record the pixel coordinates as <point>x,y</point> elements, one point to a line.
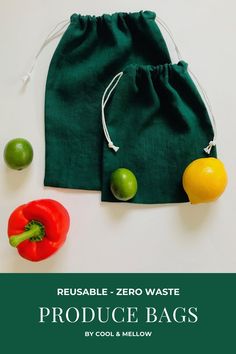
<point>89,53</point>
<point>160,123</point>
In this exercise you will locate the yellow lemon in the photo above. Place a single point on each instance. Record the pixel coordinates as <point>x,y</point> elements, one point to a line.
<point>204,180</point>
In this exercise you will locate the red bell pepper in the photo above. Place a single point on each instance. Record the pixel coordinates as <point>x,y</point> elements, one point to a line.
<point>38,229</point>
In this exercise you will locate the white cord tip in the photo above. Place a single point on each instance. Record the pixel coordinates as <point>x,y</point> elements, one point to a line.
<point>112,146</point>
<point>209,147</point>
<point>26,78</point>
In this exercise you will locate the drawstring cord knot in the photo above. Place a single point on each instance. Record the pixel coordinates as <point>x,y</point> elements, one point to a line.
<point>112,146</point>
<point>210,146</point>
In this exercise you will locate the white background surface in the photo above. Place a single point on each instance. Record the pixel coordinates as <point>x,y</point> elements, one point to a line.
<point>117,237</point>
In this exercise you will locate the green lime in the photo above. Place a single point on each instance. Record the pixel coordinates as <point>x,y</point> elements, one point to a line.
<point>18,153</point>
<point>123,184</point>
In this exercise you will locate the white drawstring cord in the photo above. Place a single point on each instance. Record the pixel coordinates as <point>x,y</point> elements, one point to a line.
<point>206,98</point>
<point>112,85</point>
<point>52,35</point>
<point>165,26</point>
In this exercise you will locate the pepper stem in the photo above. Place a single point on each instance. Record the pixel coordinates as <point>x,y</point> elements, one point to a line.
<point>34,231</point>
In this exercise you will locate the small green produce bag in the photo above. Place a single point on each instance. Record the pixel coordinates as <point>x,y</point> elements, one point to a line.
<point>89,53</point>
<point>159,121</point>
